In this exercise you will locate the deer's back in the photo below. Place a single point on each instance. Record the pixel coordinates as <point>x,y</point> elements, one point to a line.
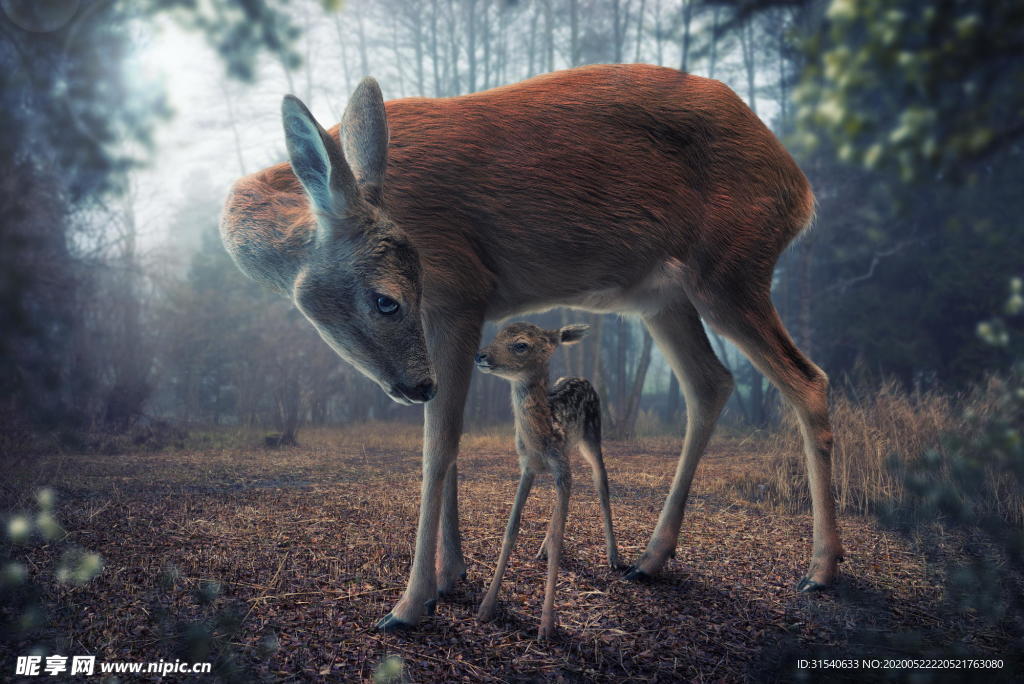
<point>582,187</point>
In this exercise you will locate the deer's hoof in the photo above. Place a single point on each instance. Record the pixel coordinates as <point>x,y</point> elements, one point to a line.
<point>389,624</point>
<point>635,574</point>
<point>807,585</point>
<point>430,607</point>
<point>547,632</point>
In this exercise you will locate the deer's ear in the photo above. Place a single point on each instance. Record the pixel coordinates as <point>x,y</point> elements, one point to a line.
<point>571,334</point>
<point>317,161</point>
<point>364,135</point>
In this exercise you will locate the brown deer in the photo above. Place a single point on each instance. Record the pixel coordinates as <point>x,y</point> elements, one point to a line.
<point>549,424</point>
<point>615,188</point>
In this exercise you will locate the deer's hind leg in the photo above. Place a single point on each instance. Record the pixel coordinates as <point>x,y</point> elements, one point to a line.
<point>755,327</point>
<point>590,448</point>
<point>706,385</point>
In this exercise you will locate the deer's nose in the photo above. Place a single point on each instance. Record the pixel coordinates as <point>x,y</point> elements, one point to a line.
<point>480,357</point>
<point>425,391</point>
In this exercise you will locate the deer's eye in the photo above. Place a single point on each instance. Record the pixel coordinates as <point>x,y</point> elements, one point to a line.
<point>520,347</point>
<point>386,305</point>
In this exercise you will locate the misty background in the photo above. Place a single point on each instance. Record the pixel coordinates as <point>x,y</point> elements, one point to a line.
<point>124,124</point>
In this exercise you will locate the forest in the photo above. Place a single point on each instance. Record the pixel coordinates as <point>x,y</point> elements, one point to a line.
<point>126,330</point>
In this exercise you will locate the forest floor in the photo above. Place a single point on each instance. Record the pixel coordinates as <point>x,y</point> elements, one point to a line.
<point>281,561</point>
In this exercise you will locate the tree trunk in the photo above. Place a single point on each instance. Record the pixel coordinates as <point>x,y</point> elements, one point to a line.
<point>417,20</point>
<point>434,57</point>
<point>343,45</point>
<point>639,31</point>
<point>659,41</point>
<point>549,34</point>
<point>471,42</point>
<point>574,33</point>
<point>364,56</point>
<point>672,408</point>
<point>684,47</point>
<point>398,55</point>
<point>596,372</point>
<point>715,15</point>
<point>531,70</point>
<point>747,45</point>
<point>804,325</point>
<point>621,337</point>
<point>628,427</point>
<point>455,86</point>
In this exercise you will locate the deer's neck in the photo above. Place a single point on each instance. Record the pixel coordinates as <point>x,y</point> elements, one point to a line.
<point>532,409</point>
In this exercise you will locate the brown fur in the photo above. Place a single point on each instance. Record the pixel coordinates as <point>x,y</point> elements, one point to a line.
<point>626,188</point>
<point>568,172</point>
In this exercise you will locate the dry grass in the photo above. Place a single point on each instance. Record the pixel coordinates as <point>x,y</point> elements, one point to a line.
<point>314,543</point>
<point>877,436</point>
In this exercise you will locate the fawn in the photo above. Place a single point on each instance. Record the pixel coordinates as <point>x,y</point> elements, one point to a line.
<point>549,423</point>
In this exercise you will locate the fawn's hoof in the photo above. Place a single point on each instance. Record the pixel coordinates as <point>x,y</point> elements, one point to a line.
<point>430,607</point>
<point>390,624</point>
<point>547,632</point>
<point>635,574</point>
<point>445,587</point>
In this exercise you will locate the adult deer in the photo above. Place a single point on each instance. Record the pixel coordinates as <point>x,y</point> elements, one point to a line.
<point>619,188</point>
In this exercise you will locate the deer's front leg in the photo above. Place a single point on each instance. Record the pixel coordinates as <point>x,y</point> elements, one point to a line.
<point>451,567</point>
<point>452,344</point>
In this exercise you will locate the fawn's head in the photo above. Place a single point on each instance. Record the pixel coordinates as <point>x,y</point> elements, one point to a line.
<point>360,282</point>
<point>521,350</point>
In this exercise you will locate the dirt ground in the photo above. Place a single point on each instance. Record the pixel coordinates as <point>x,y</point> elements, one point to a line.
<point>304,548</point>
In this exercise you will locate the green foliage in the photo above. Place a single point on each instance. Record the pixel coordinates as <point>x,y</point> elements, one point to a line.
<point>956,488</point>
<point>914,86</point>
<point>907,114</point>
<point>389,671</point>
<point>23,615</point>
<point>211,632</point>
<point>73,125</point>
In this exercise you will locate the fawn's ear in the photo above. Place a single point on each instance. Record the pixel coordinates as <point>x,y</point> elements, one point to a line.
<point>317,161</point>
<point>571,334</point>
<point>364,135</point>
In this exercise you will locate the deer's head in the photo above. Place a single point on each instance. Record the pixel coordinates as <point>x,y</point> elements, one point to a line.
<point>353,273</point>
<point>521,350</point>
<point>360,286</point>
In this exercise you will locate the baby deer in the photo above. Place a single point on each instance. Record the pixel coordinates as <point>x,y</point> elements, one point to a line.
<point>549,423</point>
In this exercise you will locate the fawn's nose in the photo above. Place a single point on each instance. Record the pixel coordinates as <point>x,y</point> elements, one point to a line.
<point>480,357</point>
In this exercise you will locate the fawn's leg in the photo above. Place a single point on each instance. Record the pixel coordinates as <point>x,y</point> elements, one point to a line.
<point>452,341</point>
<point>590,447</point>
<point>542,552</point>
<point>706,386</point>
<point>548,616</point>
<point>486,611</point>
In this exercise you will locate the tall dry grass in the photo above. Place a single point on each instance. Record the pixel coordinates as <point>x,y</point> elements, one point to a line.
<point>880,436</point>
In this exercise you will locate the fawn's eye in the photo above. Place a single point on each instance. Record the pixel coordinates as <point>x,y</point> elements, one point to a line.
<point>386,305</point>
<point>520,347</point>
